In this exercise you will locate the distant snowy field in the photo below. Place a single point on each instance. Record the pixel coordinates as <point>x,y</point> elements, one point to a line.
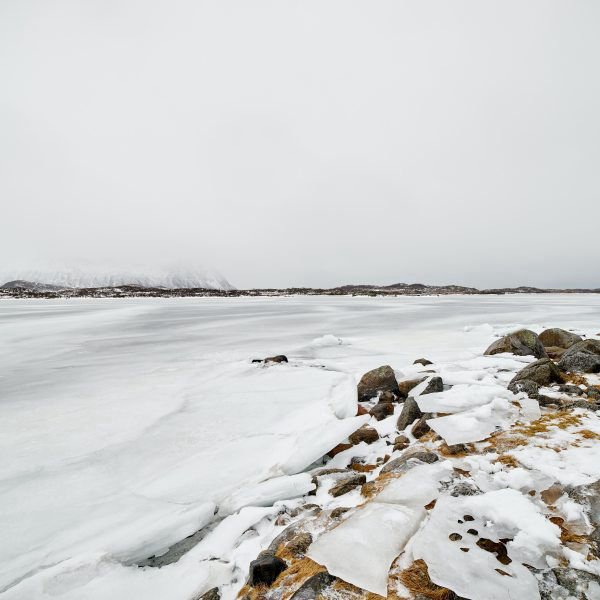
<point>125,424</point>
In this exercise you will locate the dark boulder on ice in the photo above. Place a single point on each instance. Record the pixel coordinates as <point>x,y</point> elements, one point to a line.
<point>555,352</point>
<point>364,434</point>
<point>265,569</point>
<point>422,361</point>
<point>522,343</point>
<point>293,540</point>
<point>386,398</point>
<point>381,379</point>
<point>583,356</point>
<point>559,338</point>
<point>314,587</point>
<point>410,412</point>
<point>382,410</point>
<point>542,372</point>
<point>529,387</point>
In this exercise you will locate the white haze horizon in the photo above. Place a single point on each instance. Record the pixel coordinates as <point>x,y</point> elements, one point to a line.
<point>304,143</point>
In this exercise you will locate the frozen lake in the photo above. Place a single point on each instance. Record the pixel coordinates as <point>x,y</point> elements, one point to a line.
<point>124,424</point>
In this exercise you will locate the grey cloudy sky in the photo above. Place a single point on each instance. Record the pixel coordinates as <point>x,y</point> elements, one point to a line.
<point>308,143</point>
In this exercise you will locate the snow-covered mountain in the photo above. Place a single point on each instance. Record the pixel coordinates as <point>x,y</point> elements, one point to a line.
<point>103,277</point>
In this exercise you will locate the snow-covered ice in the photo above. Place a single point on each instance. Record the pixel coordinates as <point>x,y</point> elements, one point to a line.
<point>126,424</point>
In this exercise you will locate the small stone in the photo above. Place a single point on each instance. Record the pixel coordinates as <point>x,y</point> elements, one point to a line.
<point>415,455</point>
<point>420,428</point>
<point>455,537</point>
<point>337,449</point>
<point>347,484</point>
<point>280,358</point>
<point>265,570</point>
<point>434,386</point>
<point>364,434</point>
<point>468,518</point>
<point>527,386</point>
<point>387,397</point>
<point>382,411</point>
<point>361,410</point>
<point>401,442</point>
<point>212,594</point>
<point>422,361</point>
<point>473,531</point>
<point>336,513</point>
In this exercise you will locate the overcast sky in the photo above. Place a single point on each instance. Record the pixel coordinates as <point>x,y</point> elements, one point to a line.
<point>305,143</point>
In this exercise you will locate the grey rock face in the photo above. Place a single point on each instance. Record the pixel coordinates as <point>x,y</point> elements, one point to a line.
<point>420,428</point>
<point>542,372</point>
<point>435,385</point>
<point>381,379</point>
<point>416,454</point>
<point>410,412</point>
<point>559,338</point>
<point>313,587</point>
<point>583,357</point>
<point>522,343</point>
<point>531,388</point>
<point>382,410</point>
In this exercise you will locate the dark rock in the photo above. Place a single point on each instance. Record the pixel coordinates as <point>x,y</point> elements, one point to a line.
<point>280,358</point>
<point>434,386</point>
<point>364,434</point>
<point>382,410</point>
<point>212,594</point>
<point>387,398</point>
<point>416,454</point>
<point>554,352</point>
<point>401,442</point>
<point>406,386</point>
<point>292,538</point>
<point>339,448</point>
<point>582,356</point>
<point>593,393</point>
<point>265,570</point>
<point>422,361</point>
<point>336,513</point>
<point>569,388</point>
<point>410,412</point>
<point>522,343</point>
<point>314,586</point>
<point>542,372</point>
<point>559,338</point>
<point>453,449</point>
<point>361,410</point>
<point>575,581</point>
<point>381,379</point>
<point>347,484</point>
<point>531,388</point>
<point>420,428</point>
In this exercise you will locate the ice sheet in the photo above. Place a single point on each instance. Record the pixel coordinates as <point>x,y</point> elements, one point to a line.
<point>125,423</point>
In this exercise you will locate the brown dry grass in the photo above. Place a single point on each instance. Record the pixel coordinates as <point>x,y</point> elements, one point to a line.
<point>508,460</point>
<point>563,419</point>
<point>372,488</point>
<point>416,579</point>
<point>566,535</point>
<point>588,435</point>
<point>574,378</point>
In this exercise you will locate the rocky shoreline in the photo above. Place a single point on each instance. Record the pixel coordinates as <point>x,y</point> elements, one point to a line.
<point>477,479</point>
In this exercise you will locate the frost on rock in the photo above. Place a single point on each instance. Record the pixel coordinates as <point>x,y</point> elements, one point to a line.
<point>476,545</point>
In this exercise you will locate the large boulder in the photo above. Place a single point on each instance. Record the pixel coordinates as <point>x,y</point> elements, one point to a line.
<point>583,356</point>
<point>381,379</point>
<point>559,338</point>
<point>542,372</point>
<point>410,412</point>
<point>265,570</point>
<point>522,343</point>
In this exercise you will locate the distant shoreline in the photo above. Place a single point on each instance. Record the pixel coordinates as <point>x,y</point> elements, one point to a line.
<point>129,291</point>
